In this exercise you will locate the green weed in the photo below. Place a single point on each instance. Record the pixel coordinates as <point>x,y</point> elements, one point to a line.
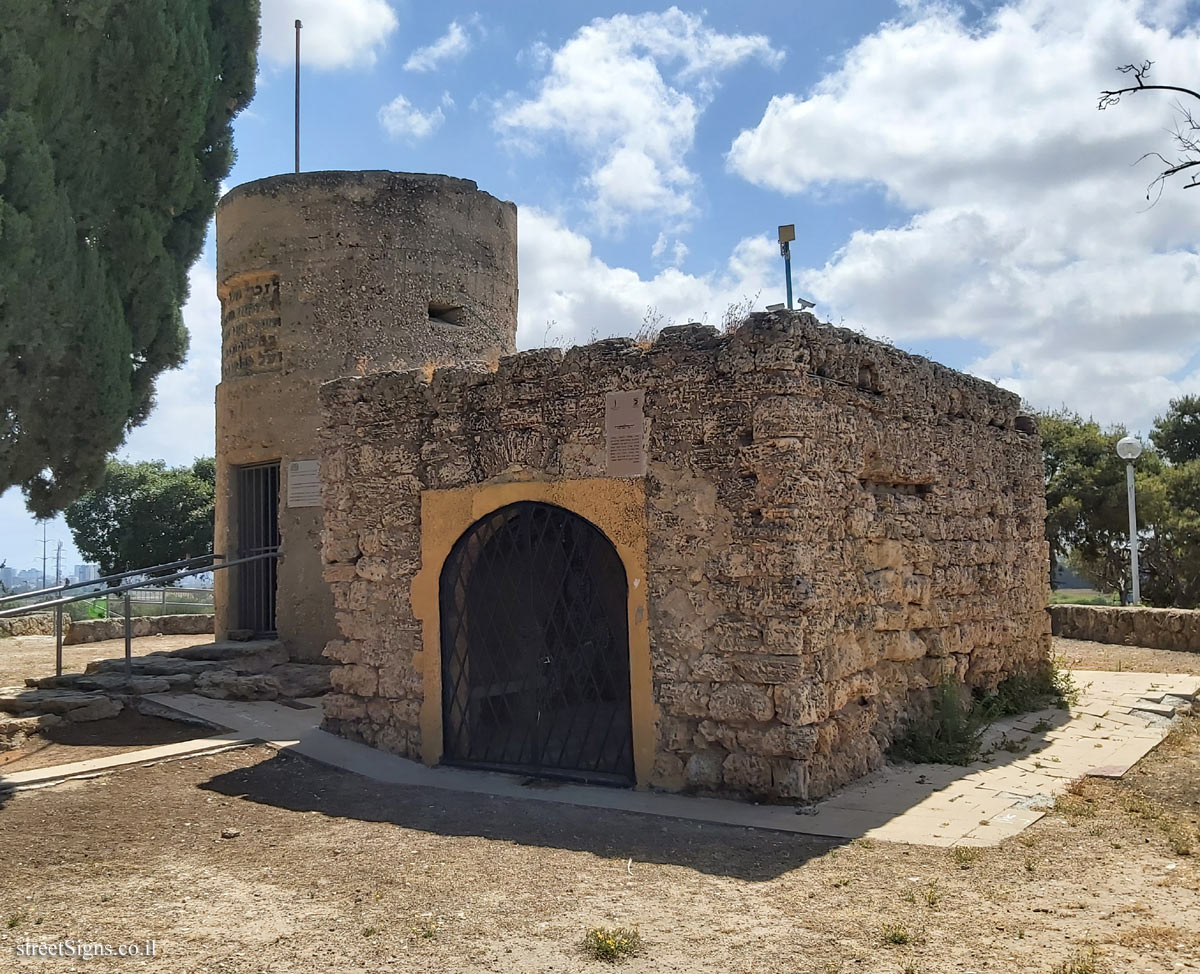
<point>612,943</point>
<point>952,731</point>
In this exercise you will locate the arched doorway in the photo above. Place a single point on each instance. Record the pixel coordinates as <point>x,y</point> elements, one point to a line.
<point>535,647</point>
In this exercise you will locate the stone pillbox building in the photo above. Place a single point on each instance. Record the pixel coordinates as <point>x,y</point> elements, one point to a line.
<point>320,275</point>
<point>723,562</point>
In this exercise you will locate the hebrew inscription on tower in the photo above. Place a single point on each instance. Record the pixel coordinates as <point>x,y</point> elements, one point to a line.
<point>250,325</point>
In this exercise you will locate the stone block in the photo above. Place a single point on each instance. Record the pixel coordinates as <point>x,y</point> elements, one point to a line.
<point>768,669</point>
<point>741,701</point>
<point>712,667</point>
<point>745,772</point>
<point>355,678</point>
<point>803,703</point>
<point>704,769</point>
<point>229,685</point>
<point>684,699</point>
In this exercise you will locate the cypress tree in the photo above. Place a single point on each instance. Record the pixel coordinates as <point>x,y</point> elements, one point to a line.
<point>115,132</point>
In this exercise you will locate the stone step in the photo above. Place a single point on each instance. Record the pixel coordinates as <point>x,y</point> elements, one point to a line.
<point>73,705</point>
<point>229,650</point>
<point>248,657</point>
<point>288,680</point>
<point>114,683</point>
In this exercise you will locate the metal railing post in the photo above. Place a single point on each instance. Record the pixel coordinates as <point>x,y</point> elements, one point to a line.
<point>128,642</point>
<point>58,640</point>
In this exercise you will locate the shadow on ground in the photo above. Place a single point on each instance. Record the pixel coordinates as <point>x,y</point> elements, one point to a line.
<point>68,743</point>
<point>295,783</point>
<point>864,806</point>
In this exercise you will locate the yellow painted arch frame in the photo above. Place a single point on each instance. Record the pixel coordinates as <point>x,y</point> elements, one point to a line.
<point>616,507</point>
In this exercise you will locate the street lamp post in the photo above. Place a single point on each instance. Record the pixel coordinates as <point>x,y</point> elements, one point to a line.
<point>1129,449</point>
<point>787,234</point>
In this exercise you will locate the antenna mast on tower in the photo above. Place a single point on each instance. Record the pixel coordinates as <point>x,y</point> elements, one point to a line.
<point>298,26</point>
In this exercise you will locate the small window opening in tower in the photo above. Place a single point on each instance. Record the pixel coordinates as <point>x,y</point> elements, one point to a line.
<point>449,314</point>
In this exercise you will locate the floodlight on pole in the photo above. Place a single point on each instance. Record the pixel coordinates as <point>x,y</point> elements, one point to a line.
<point>787,234</point>
<point>1129,449</point>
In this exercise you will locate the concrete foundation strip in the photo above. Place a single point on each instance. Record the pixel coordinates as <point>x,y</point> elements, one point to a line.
<point>198,747</point>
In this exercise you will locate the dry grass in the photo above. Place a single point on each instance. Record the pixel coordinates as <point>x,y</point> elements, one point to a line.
<point>1085,961</point>
<point>1158,937</point>
<point>965,856</point>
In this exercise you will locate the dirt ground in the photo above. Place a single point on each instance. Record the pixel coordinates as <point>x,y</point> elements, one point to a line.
<point>1081,654</point>
<point>254,860</point>
<point>30,657</point>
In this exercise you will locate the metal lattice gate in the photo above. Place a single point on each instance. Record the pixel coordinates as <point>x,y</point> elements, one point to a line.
<point>535,648</point>
<point>257,533</point>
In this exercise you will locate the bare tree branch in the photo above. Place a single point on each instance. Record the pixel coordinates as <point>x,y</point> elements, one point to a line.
<point>1188,144</point>
<point>1139,72</point>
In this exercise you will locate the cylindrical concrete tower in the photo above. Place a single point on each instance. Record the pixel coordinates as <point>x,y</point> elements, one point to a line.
<point>323,275</point>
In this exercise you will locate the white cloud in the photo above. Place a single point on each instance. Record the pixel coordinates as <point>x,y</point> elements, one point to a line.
<point>1028,232</point>
<point>678,250</point>
<point>451,46</point>
<point>401,119</point>
<point>344,34</point>
<point>569,296</point>
<point>626,92</point>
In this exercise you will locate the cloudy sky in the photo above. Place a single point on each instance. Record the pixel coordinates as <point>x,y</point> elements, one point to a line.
<point>953,186</point>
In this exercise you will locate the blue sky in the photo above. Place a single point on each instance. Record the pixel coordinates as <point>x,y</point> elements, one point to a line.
<point>953,187</point>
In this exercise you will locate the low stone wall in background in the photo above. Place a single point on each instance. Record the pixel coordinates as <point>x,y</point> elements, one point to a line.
<point>94,630</point>
<point>38,624</point>
<point>1177,629</point>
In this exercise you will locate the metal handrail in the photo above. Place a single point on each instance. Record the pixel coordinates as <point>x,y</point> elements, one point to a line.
<point>57,604</point>
<point>113,578</point>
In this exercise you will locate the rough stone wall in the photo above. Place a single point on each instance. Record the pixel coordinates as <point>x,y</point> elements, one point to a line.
<point>832,525</point>
<point>34,624</point>
<point>1177,629</point>
<point>326,274</point>
<point>97,630</point>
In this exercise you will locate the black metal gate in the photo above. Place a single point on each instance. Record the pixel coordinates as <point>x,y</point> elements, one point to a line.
<point>257,533</point>
<point>535,648</point>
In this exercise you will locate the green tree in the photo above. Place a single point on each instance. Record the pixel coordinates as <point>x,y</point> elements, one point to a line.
<point>1173,553</point>
<point>1087,515</point>
<point>1176,434</point>
<point>145,514</point>
<point>114,135</point>
<point>1087,519</point>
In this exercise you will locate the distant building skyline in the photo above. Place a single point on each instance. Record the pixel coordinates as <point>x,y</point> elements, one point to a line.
<point>13,577</point>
